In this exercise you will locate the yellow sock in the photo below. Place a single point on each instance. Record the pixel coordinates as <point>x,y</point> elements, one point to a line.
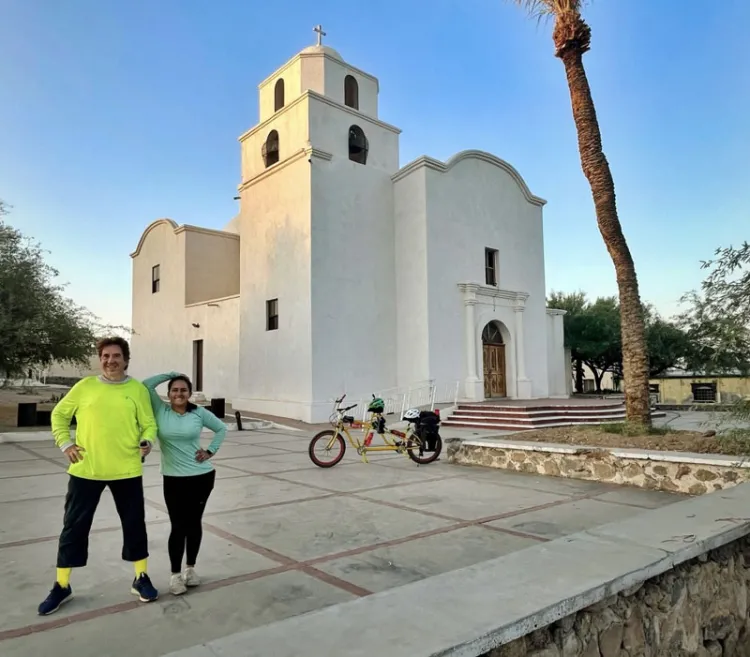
<point>63,577</point>
<point>140,567</point>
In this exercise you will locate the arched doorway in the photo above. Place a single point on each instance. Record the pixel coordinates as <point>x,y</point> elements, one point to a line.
<point>493,347</point>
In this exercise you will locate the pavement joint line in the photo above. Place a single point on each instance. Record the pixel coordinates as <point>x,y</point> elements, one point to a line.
<point>47,539</point>
<point>237,476</point>
<point>616,503</point>
<point>513,532</point>
<point>335,581</point>
<point>268,505</point>
<point>131,605</point>
<point>21,476</point>
<point>362,490</point>
<point>49,459</point>
<point>34,499</point>
<point>249,545</point>
<point>286,564</point>
<point>274,476</point>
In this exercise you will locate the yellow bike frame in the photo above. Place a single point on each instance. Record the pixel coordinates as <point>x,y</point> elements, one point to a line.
<point>394,441</point>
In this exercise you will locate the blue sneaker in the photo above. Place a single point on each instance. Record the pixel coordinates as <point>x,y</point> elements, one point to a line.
<point>144,589</point>
<point>57,597</point>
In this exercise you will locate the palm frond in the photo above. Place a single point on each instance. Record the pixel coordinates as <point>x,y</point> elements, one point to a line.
<point>541,9</point>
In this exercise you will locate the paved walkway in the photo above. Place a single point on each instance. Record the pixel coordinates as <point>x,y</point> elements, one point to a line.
<point>282,537</point>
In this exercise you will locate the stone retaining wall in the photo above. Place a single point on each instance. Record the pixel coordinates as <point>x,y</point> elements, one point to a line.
<point>700,608</point>
<point>693,474</point>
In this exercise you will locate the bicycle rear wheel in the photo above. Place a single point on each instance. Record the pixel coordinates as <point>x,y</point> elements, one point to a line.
<point>332,447</point>
<point>415,450</point>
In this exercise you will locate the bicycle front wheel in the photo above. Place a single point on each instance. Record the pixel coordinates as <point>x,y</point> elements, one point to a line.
<point>415,450</point>
<point>327,449</point>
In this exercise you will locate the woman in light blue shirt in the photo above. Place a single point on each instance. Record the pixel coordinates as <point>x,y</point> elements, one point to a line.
<point>188,473</point>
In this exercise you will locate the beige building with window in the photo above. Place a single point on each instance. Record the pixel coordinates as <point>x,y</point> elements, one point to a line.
<point>346,272</point>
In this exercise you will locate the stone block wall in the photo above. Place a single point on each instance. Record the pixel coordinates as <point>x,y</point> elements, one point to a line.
<point>698,609</point>
<point>604,465</point>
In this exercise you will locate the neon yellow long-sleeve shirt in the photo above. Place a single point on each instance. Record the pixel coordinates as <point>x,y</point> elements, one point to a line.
<point>112,418</point>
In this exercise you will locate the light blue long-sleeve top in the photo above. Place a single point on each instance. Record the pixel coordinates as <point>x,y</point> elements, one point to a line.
<point>179,434</point>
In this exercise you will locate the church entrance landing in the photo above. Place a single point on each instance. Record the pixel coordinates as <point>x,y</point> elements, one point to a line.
<point>493,346</point>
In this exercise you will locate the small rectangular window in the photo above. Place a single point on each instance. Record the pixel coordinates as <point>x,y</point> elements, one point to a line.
<point>490,267</point>
<point>272,314</point>
<point>155,279</point>
<point>704,393</point>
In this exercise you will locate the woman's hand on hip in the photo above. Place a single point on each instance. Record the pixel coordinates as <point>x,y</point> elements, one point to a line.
<point>202,455</point>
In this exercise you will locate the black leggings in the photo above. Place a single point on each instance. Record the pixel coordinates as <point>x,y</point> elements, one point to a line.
<point>186,499</point>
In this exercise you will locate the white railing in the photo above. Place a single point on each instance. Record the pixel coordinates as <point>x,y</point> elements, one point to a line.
<point>423,394</point>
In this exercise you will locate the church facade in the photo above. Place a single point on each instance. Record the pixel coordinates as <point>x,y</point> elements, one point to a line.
<point>344,272</point>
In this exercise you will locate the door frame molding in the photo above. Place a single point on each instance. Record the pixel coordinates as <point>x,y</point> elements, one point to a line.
<point>483,304</point>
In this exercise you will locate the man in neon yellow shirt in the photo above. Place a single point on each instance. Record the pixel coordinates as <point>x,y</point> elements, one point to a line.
<point>115,431</point>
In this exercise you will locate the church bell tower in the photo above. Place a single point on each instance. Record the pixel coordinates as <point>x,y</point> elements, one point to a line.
<point>317,239</point>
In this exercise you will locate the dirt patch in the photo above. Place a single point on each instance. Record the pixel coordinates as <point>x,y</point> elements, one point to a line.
<point>11,397</point>
<point>673,441</point>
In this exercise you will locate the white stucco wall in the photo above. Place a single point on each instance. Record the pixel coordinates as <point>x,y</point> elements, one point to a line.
<point>275,370</point>
<point>472,204</point>
<point>162,324</point>
<point>212,265</point>
<point>413,339</point>
<point>218,327</point>
<point>353,281</point>
<point>291,73</point>
<point>335,75</point>
<point>291,123</point>
<point>329,131</point>
<point>353,269</point>
<point>556,363</point>
<point>322,70</point>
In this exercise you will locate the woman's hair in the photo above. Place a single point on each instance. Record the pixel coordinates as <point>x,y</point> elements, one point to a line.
<point>190,405</point>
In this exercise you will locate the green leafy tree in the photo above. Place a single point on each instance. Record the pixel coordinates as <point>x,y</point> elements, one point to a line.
<point>574,322</point>
<point>717,319</point>
<point>38,324</point>
<point>668,345</point>
<point>592,333</point>
<point>571,36</point>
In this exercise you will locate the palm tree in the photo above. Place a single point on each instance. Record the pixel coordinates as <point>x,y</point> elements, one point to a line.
<point>572,38</point>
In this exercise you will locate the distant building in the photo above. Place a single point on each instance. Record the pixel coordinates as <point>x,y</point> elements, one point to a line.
<point>681,387</point>
<point>65,372</point>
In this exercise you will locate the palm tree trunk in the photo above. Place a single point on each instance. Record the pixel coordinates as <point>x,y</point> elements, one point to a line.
<point>572,40</point>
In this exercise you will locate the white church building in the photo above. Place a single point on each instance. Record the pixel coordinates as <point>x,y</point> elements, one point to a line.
<point>346,272</point>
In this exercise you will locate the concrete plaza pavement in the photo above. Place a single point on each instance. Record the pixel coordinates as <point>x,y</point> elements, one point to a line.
<point>281,538</point>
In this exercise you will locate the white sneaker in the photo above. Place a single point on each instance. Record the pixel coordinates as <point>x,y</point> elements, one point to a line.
<point>191,577</point>
<point>177,585</point>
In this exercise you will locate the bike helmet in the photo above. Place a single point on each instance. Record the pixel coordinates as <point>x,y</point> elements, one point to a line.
<point>377,405</point>
<point>412,414</point>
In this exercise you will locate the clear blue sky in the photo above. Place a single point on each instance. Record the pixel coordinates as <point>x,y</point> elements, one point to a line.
<point>113,114</point>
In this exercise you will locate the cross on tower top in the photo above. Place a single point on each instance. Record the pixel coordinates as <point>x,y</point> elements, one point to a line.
<point>318,29</point>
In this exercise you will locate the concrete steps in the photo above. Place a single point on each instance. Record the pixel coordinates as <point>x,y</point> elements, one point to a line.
<point>504,417</point>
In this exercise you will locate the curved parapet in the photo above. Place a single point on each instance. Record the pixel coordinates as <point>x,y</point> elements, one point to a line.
<point>171,223</point>
<point>483,156</point>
